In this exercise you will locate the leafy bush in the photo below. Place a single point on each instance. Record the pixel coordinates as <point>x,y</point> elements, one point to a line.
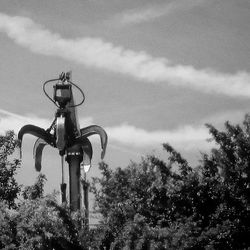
<point>39,224</point>
<point>146,205</point>
<point>35,222</point>
<point>150,206</point>
<point>9,187</point>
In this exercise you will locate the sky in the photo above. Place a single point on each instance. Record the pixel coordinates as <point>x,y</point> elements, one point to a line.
<point>152,72</point>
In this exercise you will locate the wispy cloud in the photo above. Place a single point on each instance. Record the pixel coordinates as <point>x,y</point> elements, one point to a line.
<point>12,121</point>
<point>185,138</point>
<point>154,11</point>
<point>218,119</point>
<point>94,52</point>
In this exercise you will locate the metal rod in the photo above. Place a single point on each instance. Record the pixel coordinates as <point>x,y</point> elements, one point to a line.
<point>62,164</point>
<point>85,196</point>
<point>86,200</point>
<point>63,184</point>
<point>74,159</point>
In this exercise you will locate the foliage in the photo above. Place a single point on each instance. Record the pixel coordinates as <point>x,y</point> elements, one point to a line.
<point>146,205</point>
<point>35,222</point>
<point>35,191</point>
<point>150,206</point>
<point>40,224</point>
<point>9,187</point>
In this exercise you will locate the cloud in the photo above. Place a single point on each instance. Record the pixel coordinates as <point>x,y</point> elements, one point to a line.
<point>94,52</point>
<point>185,138</point>
<point>151,12</point>
<point>12,121</point>
<point>218,119</point>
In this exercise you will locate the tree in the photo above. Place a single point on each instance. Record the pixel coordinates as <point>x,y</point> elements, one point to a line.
<point>37,221</point>
<point>9,187</point>
<point>37,190</point>
<point>146,205</point>
<point>150,206</point>
<point>39,224</point>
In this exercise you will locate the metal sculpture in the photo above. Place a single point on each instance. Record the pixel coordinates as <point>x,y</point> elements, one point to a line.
<point>65,135</point>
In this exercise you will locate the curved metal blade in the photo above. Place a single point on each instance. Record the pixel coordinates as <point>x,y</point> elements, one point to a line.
<point>60,133</point>
<point>87,152</point>
<point>94,129</point>
<point>36,131</point>
<point>37,153</point>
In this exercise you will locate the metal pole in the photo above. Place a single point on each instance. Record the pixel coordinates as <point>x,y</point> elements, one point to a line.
<point>85,185</point>
<point>63,184</point>
<point>74,159</point>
